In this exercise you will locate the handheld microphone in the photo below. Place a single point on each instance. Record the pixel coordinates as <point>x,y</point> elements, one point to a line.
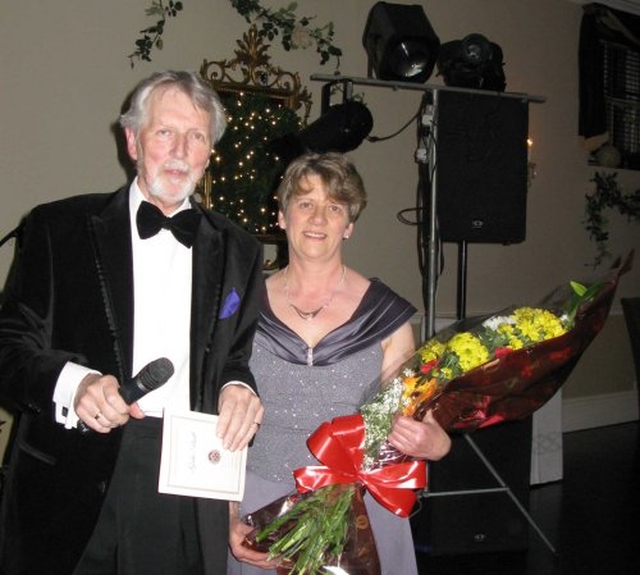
<point>150,377</point>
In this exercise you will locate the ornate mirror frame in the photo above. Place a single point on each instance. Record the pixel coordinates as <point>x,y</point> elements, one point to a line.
<point>251,71</point>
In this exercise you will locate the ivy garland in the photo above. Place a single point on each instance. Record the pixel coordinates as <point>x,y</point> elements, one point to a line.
<point>151,37</point>
<point>293,32</point>
<point>607,195</point>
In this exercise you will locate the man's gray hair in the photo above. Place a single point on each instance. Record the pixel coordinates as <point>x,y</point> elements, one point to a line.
<point>200,93</point>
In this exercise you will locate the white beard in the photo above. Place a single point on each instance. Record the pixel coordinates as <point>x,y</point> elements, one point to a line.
<point>158,187</point>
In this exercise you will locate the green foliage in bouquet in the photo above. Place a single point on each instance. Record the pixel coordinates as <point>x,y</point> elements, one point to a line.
<point>313,532</point>
<point>583,294</point>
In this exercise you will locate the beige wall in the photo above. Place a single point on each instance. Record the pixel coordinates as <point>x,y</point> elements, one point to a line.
<point>65,73</point>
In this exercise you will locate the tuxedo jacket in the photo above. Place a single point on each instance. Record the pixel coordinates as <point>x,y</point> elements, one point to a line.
<point>69,297</point>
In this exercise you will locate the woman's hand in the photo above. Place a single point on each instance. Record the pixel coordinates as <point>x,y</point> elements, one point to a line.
<point>420,439</point>
<point>238,531</point>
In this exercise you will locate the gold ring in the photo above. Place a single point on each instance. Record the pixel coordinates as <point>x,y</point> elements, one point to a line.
<point>98,415</point>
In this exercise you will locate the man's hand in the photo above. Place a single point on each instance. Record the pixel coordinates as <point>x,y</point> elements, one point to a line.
<point>240,416</point>
<point>100,406</point>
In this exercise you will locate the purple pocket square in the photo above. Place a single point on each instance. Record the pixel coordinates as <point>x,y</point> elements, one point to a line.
<point>231,304</point>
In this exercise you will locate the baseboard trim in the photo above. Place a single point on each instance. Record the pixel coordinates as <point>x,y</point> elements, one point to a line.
<point>599,410</point>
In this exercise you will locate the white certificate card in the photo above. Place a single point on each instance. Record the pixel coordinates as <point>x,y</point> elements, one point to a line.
<point>195,463</point>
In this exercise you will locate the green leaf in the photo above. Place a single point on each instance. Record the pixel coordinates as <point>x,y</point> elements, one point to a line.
<point>607,195</point>
<point>578,288</point>
<point>272,23</point>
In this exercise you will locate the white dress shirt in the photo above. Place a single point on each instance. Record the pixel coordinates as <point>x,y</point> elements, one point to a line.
<point>162,271</point>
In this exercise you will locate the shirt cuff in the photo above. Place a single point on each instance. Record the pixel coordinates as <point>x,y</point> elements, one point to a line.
<point>67,385</point>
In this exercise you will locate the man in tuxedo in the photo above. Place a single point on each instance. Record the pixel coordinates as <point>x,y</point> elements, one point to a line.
<point>102,285</point>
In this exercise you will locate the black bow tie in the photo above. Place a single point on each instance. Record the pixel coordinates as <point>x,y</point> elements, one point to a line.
<point>183,225</point>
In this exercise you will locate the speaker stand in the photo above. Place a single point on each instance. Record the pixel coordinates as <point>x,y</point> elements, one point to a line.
<point>502,488</point>
<point>461,301</point>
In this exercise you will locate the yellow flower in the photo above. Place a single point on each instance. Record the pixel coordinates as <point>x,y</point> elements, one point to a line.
<point>511,334</point>
<point>469,349</point>
<point>538,324</point>
<point>410,384</point>
<point>431,350</point>
<point>447,373</point>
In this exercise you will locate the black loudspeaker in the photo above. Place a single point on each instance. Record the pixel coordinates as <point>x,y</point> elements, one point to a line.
<point>457,518</point>
<point>481,167</point>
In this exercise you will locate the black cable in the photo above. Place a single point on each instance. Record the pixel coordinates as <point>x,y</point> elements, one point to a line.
<point>12,234</point>
<point>422,209</point>
<point>375,139</point>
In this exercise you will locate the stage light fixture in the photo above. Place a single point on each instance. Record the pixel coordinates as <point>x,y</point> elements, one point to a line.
<point>400,43</point>
<point>341,128</point>
<point>473,62</point>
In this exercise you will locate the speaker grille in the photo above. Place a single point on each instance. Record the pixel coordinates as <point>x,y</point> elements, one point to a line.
<point>481,167</point>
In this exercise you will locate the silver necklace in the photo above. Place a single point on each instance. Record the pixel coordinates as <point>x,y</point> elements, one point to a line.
<point>309,315</point>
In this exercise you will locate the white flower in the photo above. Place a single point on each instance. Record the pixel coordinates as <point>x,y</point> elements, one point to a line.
<point>300,38</point>
<point>378,417</point>
<point>259,21</point>
<point>494,322</point>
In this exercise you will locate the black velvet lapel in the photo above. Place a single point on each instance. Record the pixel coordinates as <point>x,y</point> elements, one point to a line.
<point>208,266</point>
<point>111,232</point>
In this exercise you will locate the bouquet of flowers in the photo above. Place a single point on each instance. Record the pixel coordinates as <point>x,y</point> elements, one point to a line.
<point>474,374</point>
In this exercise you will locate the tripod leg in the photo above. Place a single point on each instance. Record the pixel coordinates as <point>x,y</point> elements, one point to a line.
<point>519,505</point>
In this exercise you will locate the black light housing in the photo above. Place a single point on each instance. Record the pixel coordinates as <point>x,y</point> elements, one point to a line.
<point>400,43</point>
<point>341,128</point>
<point>473,62</point>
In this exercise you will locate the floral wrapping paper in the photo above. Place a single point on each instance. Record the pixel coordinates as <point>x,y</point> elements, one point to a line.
<point>476,373</point>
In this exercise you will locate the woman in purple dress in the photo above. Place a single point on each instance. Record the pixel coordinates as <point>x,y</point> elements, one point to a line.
<point>325,334</point>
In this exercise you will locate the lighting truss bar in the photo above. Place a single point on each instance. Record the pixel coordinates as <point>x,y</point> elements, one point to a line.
<point>392,85</point>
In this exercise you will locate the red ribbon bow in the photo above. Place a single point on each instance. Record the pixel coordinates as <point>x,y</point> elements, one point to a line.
<point>339,446</point>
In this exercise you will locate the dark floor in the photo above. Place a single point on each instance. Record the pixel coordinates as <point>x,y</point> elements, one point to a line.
<point>591,517</point>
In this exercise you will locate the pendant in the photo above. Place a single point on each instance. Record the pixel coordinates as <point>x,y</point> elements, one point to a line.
<point>309,315</point>
<point>306,315</point>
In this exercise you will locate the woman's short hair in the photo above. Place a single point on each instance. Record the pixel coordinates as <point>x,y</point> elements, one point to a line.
<point>200,93</point>
<point>343,182</point>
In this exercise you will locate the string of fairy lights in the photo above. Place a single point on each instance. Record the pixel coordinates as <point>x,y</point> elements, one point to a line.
<point>244,172</point>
